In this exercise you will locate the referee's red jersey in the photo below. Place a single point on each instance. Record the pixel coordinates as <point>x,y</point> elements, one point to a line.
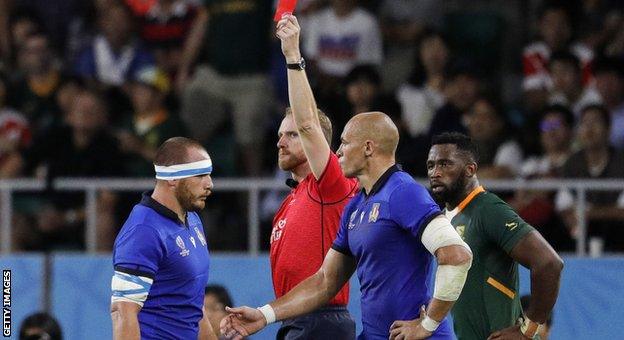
<point>305,227</point>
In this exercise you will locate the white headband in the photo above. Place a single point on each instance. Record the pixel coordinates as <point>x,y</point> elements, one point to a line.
<point>178,171</point>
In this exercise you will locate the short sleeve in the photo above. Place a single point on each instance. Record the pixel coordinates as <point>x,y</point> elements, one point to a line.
<point>333,186</point>
<point>503,226</point>
<point>139,251</point>
<point>341,242</point>
<point>412,207</point>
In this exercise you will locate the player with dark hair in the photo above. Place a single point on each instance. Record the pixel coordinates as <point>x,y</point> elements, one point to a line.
<point>40,326</point>
<point>160,255</point>
<point>489,305</point>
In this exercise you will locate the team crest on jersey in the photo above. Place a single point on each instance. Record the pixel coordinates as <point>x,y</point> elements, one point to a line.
<point>351,225</point>
<point>180,242</point>
<point>200,236</point>
<point>374,213</point>
<point>460,230</point>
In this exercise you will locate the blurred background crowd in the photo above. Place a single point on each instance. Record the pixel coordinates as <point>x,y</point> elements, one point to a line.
<point>90,88</point>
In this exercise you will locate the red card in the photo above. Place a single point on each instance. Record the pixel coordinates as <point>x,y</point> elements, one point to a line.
<point>283,7</point>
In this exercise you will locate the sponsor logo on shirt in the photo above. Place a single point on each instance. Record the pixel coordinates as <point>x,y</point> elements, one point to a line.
<point>351,225</point>
<point>200,236</point>
<point>180,242</point>
<point>374,213</point>
<point>511,225</point>
<point>278,229</point>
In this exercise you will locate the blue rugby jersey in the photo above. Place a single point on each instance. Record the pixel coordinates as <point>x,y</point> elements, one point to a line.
<point>155,243</point>
<point>382,232</point>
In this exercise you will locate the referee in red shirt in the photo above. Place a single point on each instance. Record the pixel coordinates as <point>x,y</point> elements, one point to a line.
<point>306,224</point>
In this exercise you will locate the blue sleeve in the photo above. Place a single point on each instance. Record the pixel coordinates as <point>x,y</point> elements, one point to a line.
<point>341,243</point>
<point>412,207</point>
<point>139,250</point>
<point>143,58</point>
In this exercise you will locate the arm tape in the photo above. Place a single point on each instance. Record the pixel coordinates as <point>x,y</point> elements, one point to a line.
<point>449,281</point>
<point>440,233</point>
<point>131,288</point>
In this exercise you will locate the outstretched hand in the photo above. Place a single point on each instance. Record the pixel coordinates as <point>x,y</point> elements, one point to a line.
<point>241,322</point>
<point>288,32</point>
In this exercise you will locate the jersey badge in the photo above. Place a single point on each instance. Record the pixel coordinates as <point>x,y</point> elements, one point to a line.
<point>460,230</point>
<point>374,213</point>
<point>183,251</point>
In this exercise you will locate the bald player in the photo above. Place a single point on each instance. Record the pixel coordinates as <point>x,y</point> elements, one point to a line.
<point>390,232</point>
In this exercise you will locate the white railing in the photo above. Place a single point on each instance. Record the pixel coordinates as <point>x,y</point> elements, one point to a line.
<point>254,186</point>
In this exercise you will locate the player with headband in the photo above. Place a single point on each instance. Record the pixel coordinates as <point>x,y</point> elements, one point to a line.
<point>160,256</point>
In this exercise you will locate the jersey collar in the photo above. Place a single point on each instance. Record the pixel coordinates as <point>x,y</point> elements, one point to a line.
<point>149,202</point>
<point>469,198</point>
<point>382,180</point>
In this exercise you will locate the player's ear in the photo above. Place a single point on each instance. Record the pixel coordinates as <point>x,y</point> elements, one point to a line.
<point>369,147</point>
<point>471,169</point>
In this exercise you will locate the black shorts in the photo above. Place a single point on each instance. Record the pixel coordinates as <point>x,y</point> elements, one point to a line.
<point>326,323</point>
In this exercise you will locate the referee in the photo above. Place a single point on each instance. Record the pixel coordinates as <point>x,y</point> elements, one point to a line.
<point>489,306</point>
<point>306,223</point>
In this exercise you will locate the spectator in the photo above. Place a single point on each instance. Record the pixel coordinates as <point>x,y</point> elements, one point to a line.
<point>403,22</point>
<point>33,91</point>
<point>337,39</point>
<point>114,54</point>
<point>610,85</point>
<point>15,135</point>
<point>163,25</point>
<point>422,95</point>
<point>555,35</point>
<point>595,160</point>
<point>40,326</point>
<point>567,90</point>
<point>20,25</point>
<point>461,90</point>
<point>500,155</point>
<point>537,207</point>
<point>150,125</point>
<point>82,148</point>
<point>231,76</point>
<point>216,298</point>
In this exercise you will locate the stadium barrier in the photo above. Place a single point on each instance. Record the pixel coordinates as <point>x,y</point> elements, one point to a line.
<point>75,288</point>
<point>254,187</point>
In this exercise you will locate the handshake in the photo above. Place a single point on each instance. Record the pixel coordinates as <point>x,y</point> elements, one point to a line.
<point>244,321</point>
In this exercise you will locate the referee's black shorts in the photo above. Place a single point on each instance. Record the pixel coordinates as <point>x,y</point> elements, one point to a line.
<point>326,323</point>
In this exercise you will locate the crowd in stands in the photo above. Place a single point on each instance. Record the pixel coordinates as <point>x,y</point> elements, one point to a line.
<point>91,88</point>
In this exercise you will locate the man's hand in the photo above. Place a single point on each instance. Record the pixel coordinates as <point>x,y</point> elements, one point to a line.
<point>509,333</point>
<point>288,32</point>
<point>408,330</point>
<point>241,322</point>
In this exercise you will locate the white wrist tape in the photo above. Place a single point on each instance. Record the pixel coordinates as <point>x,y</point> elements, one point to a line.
<point>429,324</point>
<point>440,233</point>
<point>268,312</point>
<point>450,280</point>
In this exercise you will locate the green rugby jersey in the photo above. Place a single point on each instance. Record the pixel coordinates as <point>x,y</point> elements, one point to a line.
<point>489,300</point>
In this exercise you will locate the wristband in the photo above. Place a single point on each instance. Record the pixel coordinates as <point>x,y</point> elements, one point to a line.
<point>268,312</point>
<point>429,324</point>
<point>528,327</point>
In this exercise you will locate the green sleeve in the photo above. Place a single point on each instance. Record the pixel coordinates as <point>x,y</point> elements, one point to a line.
<point>503,226</point>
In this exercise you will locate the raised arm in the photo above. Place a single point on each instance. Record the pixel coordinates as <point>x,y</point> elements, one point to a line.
<point>125,320</point>
<point>302,102</point>
<point>310,294</point>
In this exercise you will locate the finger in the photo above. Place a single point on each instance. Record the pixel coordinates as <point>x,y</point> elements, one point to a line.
<point>494,335</point>
<point>400,337</point>
<point>397,324</point>
<point>235,310</point>
<point>423,312</point>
